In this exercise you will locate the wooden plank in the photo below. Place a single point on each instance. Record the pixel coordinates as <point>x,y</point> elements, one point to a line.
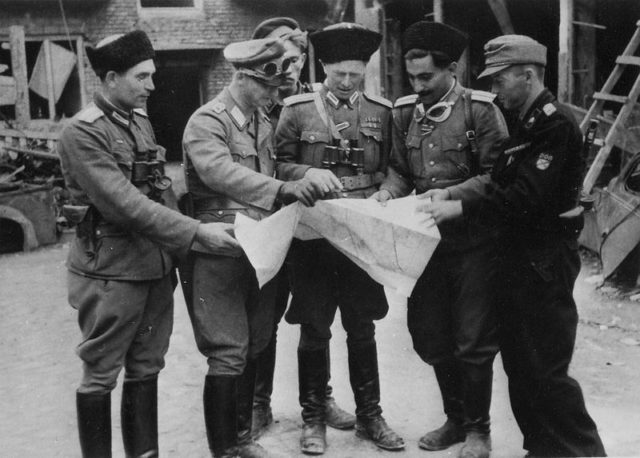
<point>565,52</point>
<point>610,97</point>
<point>12,133</point>
<point>501,12</point>
<point>19,69</point>
<point>51,87</point>
<point>584,46</point>
<point>438,10</point>
<point>81,74</point>
<point>628,60</point>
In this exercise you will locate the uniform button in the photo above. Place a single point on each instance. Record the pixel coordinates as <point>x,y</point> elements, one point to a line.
<point>430,145</point>
<point>431,163</point>
<point>98,232</point>
<point>344,194</point>
<point>459,145</point>
<point>433,180</point>
<point>220,212</point>
<point>312,137</point>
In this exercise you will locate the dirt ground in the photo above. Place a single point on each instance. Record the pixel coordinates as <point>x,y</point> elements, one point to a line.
<point>39,374</point>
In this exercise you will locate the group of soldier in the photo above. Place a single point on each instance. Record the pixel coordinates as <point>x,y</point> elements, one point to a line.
<point>504,199</point>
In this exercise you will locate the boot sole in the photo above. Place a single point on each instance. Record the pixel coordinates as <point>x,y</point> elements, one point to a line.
<point>342,427</point>
<point>364,435</point>
<point>436,448</point>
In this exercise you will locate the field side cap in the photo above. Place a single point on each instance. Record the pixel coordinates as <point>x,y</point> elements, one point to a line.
<point>507,50</point>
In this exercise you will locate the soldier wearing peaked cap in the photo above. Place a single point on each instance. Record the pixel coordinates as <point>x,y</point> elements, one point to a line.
<point>295,43</point>
<point>120,260</point>
<point>531,196</point>
<point>443,137</point>
<point>339,138</point>
<point>230,162</point>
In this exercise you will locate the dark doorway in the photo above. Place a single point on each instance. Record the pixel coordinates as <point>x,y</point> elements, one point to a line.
<point>177,96</point>
<point>11,236</point>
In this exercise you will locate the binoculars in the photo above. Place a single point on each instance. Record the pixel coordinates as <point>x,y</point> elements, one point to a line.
<point>344,152</point>
<point>150,171</point>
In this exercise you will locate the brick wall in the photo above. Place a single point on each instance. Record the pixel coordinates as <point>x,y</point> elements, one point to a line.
<point>217,24</point>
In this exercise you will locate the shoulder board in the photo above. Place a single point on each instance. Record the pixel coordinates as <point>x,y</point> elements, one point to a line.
<point>482,96</point>
<point>218,107</point>
<point>549,109</point>
<point>315,87</point>
<point>299,98</point>
<point>90,114</point>
<point>406,100</point>
<point>141,112</point>
<point>379,100</point>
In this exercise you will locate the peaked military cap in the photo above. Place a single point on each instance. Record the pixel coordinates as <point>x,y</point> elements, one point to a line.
<point>507,50</point>
<point>281,27</point>
<point>434,36</point>
<point>120,52</point>
<point>261,59</point>
<point>345,41</point>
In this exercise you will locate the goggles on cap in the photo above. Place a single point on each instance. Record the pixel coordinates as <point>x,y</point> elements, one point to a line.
<point>268,70</point>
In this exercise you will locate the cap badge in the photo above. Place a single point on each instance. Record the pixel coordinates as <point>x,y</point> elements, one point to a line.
<point>544,161</point>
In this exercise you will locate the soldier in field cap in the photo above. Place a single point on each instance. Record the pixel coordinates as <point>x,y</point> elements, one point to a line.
<point>295,43</point>
<point>230,163</point>
<point>531,197</point>
<point>444,136</point>
<point>121,258</point>
<point>339,138</point>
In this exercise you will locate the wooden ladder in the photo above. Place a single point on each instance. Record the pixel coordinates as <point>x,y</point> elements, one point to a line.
<point>605,95</point>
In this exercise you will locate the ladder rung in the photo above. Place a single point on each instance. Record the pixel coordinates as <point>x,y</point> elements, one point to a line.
<point>628,60</point>
<point>610,97</point>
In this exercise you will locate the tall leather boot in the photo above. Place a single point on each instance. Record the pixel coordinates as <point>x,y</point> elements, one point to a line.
<point>247,447</point>
<point>262,416</point>
<point>220,414</point>
<point>478,382</point>
<point>94,424</point>
<point>139,418</point>
<point>312,381</point>
<point>451,383</point>
<point>335,416</point>
<point>365,383</point>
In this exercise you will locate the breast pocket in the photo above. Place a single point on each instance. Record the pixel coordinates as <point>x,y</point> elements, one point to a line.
<point>312,145</point>
<point>244,154</point>
<point>414,155</point>
<point>124,158</point>
<point>371,141</point>
<point>457,150</point>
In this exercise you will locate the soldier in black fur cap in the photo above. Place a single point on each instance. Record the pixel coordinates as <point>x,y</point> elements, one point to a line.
<point>121,258</point>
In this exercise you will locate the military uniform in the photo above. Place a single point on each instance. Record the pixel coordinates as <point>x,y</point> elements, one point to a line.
<point>534,183</point>
<point>229,161</point>
<point>351,138</point>
<point>536,179</point>
<point>450,312</point>
<point>120,260</point>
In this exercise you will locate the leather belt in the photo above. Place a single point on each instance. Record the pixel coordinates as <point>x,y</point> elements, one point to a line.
<point>201,204</point>
<point>354,182</point>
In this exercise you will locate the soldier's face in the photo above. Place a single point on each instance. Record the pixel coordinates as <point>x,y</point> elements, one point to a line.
<point>344,78</point>
<point>428,80</point>
<point>511,87</point>
<point>259,94</point>
<point>297,58</point>
<point>132,88</point>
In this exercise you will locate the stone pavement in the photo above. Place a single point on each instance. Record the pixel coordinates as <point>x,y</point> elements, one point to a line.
<point>39,374</point>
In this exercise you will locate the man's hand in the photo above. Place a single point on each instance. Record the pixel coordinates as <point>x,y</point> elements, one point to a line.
<point>382,196</point>
<point>435,195</point>
<point>442,210</point>
<point>217,238</point>
<point>300,190</point>
<point>323,181</point>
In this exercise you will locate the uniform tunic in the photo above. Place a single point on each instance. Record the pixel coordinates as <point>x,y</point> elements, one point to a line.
<point>230,163</point>
<point>450,312</point>
<point>537,178</point>
<point>321,277</point>
<point>119,267</point>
